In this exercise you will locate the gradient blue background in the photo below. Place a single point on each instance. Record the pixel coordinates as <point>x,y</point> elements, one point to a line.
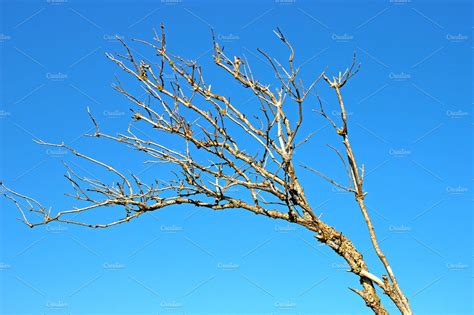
<point>412,96</point>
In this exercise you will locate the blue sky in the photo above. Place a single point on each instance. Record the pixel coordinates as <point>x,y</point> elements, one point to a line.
<point>410,123</point>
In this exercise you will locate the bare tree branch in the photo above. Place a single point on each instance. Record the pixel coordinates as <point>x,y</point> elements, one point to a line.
<point>215,153</point>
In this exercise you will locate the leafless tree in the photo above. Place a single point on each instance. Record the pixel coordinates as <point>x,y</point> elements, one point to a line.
<point>214,161</point>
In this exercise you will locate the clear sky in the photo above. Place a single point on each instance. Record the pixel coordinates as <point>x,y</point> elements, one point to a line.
<point>410,122</point>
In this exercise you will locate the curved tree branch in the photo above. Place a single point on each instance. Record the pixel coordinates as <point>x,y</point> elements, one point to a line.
<point>213,158</point>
